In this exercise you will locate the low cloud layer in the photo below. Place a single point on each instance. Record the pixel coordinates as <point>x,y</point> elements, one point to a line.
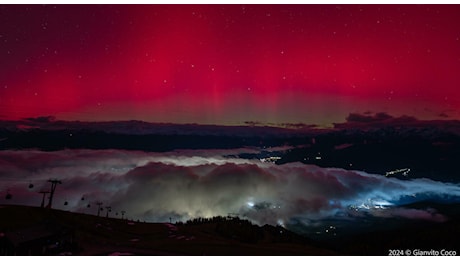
<point>188,184</point>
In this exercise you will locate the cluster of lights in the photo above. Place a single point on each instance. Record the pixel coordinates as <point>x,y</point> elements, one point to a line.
<point>271,159</point>
<point>404,172</point>
<point>371,204</point>
<point>261,205</point>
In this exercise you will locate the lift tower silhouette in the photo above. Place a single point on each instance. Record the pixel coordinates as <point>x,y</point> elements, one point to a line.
<point>43,199</point>
<point>109,209</point>
<point>99,208</point>
<point>54,183</point>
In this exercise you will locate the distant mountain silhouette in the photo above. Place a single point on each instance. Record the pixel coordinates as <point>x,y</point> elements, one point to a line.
<point>373,143</point>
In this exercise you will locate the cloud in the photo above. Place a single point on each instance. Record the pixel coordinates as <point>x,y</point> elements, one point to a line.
<point>41,119</point>
<point>443,115</point>
<point>427,214</point>
<point>353,117</point>
<point>377,120</point>
<point>412,125</point>
<point>188,184</point>
<point>382,119</point>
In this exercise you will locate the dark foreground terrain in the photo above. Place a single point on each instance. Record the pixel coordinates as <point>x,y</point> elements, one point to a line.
<point>36,231</point>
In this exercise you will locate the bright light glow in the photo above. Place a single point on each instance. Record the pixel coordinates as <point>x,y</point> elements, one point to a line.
<point>373,203</point>
<point>280,222</point>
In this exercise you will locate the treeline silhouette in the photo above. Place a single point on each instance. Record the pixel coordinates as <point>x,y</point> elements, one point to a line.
<point>245,231</point>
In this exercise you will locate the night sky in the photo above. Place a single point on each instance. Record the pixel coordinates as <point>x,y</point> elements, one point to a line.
<point>228,64</point>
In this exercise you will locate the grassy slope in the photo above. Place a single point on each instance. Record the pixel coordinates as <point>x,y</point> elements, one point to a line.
<point>102,236</point>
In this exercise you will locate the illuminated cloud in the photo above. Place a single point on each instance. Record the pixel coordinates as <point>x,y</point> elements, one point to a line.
<point>188,184</point>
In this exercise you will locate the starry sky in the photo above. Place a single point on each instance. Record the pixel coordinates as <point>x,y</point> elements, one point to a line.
<point>228,64</point>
